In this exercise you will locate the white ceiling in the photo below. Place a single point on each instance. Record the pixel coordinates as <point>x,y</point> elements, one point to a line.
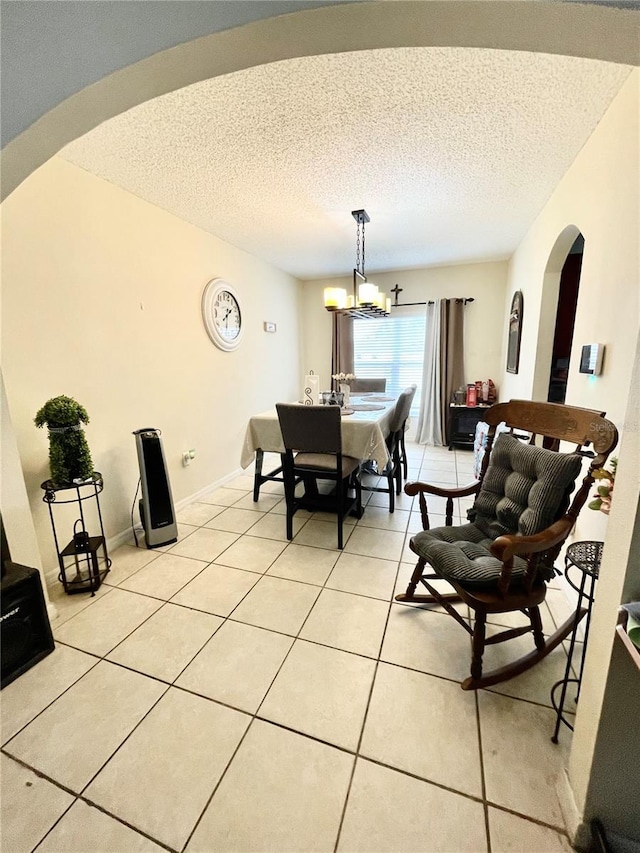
<point>452,152</point>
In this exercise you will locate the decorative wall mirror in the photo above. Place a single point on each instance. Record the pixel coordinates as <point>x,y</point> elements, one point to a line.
<point>515,333</point>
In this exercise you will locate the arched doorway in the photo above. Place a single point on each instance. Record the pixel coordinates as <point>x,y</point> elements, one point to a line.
<point>565,320</point>
<point>549,308</point>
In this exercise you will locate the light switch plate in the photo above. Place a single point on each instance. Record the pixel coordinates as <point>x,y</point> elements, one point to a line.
<point>269,327</point>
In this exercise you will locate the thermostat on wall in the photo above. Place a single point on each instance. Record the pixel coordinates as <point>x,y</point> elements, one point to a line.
<point>591,359</point>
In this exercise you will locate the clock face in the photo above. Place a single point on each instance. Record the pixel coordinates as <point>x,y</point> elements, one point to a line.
<point>222,314</point>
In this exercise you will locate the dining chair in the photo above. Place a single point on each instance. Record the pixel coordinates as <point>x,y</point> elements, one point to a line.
<point>502,560</point>
<point>361,386</point>
<point>312,437</point>
<point>403,449</point>
<point>392,472</point>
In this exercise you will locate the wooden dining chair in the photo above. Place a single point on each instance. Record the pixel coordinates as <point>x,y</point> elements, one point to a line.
<point>312,437</point>
<point>393,470</point>
<point>501,561</point>
<point>362,386</point>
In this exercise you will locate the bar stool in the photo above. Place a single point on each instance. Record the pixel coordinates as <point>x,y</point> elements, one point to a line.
<point>585,557</point>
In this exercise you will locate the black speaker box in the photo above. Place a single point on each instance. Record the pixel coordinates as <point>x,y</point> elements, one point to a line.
<point>25,631</point>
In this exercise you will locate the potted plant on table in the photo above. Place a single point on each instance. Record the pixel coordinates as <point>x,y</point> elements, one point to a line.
<point>69,456</point>
<point>343,381</point>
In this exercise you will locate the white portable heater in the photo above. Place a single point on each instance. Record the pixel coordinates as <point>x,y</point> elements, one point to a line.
<point>156,506</point>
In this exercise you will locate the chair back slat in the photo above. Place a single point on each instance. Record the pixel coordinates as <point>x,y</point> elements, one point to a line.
<point>314,429</point>
<point>556,421</point>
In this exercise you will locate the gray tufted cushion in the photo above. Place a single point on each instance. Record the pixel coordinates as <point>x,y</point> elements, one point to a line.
<point>525,490</point>
<point>462,554</point>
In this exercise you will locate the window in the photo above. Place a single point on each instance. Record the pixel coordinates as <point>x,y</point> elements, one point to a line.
<point>392,347</point>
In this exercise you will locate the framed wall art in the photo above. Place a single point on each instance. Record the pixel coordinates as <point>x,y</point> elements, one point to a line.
<point>515,333</point>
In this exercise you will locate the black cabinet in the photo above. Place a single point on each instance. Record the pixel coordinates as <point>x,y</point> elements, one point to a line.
<point>25,632</point>
<point>462,424</point>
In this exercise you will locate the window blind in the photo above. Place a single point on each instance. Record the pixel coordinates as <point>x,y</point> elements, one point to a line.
<point>392,347</point>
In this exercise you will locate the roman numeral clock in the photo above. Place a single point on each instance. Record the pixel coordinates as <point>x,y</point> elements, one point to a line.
<point>222,314</point>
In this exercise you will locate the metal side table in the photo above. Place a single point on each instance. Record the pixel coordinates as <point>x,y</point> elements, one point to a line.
<point>584,557</point>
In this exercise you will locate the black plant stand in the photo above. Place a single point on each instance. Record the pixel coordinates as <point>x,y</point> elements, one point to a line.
<point>585,557</point>
<point>83,555</point>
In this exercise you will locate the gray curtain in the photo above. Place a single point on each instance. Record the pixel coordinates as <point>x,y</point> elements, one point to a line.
<point>342,344</point>
<point>442,371</point>
<point>429,430</point>
<point>451,356</point>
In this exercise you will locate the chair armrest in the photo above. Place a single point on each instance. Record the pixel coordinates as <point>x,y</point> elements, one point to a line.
<point>506,547</point>
<point>422,489</point>
<point>414,488</point>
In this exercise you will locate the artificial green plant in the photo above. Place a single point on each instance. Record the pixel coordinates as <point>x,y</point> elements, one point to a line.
<point>69,456</point>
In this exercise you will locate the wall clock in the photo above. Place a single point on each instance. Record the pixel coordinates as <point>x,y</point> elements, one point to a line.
<point>222,314</point>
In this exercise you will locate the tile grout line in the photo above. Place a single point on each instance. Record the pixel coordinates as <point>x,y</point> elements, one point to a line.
<point>366,711</point>
<point>483,781</point>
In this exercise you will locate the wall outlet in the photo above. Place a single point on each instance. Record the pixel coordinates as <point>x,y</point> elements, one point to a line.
<point>269,326</point>
<point>186,458</point>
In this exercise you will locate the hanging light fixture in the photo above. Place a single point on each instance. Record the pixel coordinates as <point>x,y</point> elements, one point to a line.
<point>366,301</point>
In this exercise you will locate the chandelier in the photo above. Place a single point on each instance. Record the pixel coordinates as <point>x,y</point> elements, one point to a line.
<point>366,301</point>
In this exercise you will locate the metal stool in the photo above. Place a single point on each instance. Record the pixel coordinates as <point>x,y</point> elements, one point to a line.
<point>584,556</point>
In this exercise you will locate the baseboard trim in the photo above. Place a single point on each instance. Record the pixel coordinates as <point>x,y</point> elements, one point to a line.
<point>570,814</point>
<point>125,536</point>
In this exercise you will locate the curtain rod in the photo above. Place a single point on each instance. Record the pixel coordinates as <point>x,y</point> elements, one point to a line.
<point>431,302</point>
<point>397,290</point>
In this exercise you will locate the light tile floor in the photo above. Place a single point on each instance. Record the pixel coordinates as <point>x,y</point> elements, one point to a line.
<point>235,692</point>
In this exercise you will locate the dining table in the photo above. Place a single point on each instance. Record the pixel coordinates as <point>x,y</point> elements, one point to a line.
<point>364,425</point>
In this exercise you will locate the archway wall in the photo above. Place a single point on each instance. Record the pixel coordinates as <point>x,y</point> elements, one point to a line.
<point>597,196</point>
<point>556,28</point>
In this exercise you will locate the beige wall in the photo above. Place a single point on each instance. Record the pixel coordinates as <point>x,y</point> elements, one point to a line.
<point>101,301</point>
<point>599,196</point>
<point>484,318</point>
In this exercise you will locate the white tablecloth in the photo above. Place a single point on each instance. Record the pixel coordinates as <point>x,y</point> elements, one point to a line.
<point>363,433</point>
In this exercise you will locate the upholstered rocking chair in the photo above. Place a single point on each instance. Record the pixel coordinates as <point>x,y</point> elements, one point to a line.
<point>503,558</point>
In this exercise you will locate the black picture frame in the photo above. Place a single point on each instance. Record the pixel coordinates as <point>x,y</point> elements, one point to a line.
<point>515,332</point>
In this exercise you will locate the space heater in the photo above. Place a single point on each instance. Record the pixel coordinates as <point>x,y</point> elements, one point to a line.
<point>156,505</point>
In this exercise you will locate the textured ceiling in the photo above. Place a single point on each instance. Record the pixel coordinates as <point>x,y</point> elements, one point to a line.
<point>452,151</point>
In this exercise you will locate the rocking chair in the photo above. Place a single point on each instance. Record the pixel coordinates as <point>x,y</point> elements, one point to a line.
<point>501,561</point>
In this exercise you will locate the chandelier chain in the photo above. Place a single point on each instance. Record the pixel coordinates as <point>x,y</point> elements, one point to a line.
<point>362,270</point>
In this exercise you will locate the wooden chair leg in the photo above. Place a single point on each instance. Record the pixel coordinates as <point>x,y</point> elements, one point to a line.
<point>289,495</point>
<point>410,594</point>
<point>257,474</point>
<point>524,663</point>
<point>341,486</point>
<point>403,455</point>
<point>536,626</point>
<point>477,645</point>
<point>398,480</point>
<point>357,485</point>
